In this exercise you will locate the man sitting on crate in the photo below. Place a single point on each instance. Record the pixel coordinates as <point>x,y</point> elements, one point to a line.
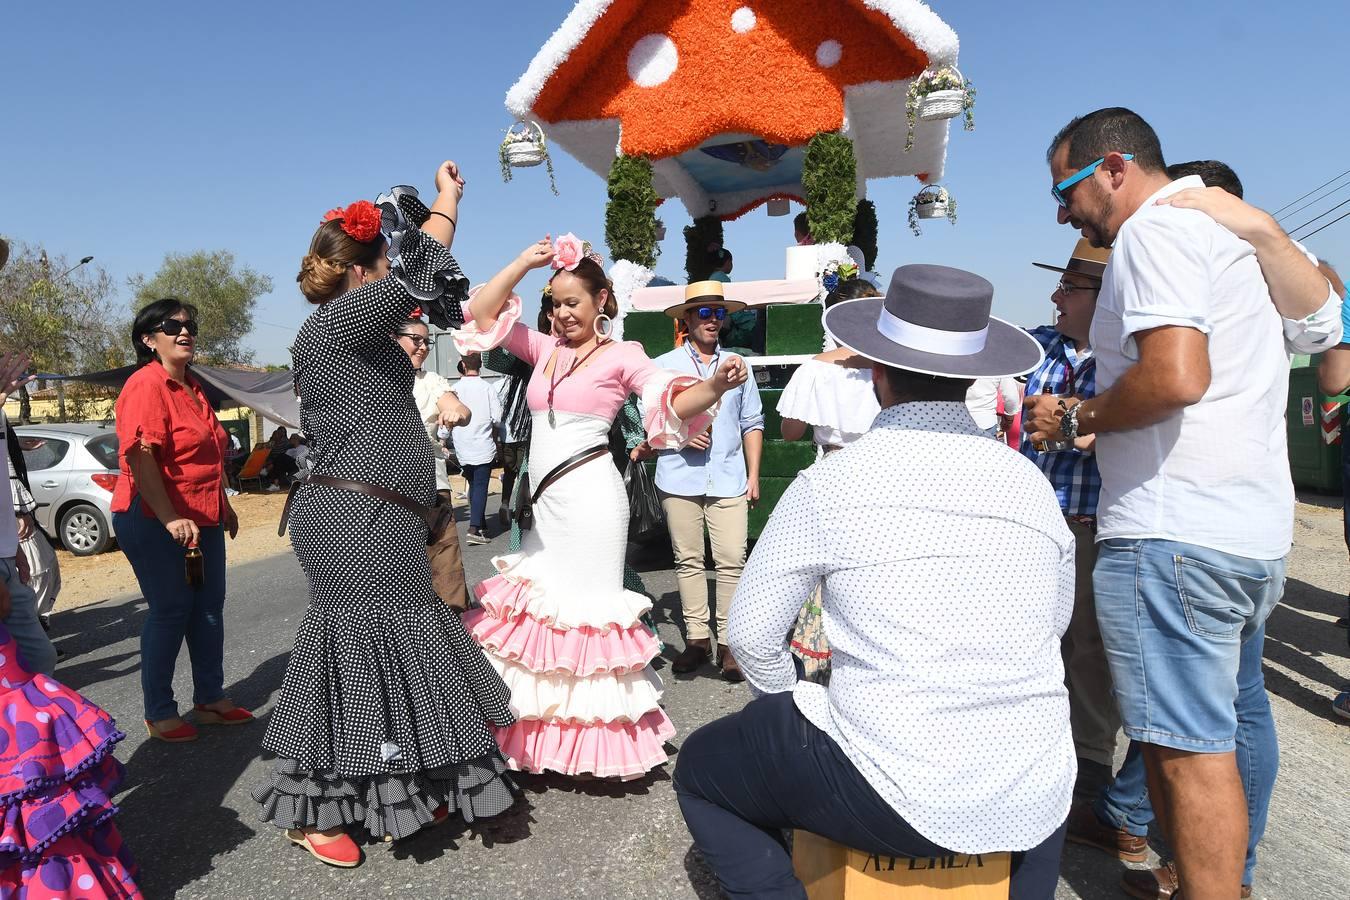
<point>948,578</point>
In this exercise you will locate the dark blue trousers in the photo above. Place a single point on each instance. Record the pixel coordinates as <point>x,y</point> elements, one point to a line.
<point>479,477</point>
<point>745,779</point>
<point>178,612</point>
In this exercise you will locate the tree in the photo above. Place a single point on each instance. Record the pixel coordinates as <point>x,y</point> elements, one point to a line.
<point>223,293</point>
<point>68,321</point>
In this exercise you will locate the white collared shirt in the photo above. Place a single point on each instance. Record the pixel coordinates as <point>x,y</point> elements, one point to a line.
<point>948,576</point>
<point>428,388</point>
<point>1215,474</point>
<point>475,443</point>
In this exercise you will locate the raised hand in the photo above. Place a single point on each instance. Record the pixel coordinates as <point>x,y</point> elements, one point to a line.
<point>538,254</point>
<point>731,374</point>
<point>449,179</point>
<point>12,372</point>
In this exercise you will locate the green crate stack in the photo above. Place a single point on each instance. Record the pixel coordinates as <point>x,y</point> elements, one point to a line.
<point>793,330</point>
<point>655,331</point>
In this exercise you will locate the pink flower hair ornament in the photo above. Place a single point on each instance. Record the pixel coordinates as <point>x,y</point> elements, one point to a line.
<point>569,250</point>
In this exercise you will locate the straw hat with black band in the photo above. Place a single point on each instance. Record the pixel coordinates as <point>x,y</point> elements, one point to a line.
<point>1086,260</point>
<point>703,293</point>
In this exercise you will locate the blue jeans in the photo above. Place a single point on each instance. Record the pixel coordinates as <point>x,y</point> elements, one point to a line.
<point>1175,619</point>
<point>177,611</point>
<point>478,476</point>
<point>1125,802</point>
<point>744,779</point>
<point>35,649</point>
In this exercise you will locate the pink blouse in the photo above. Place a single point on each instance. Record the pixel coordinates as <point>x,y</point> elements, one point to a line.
<point>600,387</point>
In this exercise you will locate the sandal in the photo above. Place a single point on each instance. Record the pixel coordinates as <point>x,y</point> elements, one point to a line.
<point>236,716</point>
<point>340,850</point>
<point>180,735</point>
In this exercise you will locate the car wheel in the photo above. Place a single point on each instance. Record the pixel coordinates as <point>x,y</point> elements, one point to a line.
<point>84,530</point>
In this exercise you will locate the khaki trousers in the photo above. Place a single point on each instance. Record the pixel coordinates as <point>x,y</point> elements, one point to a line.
<point>1093,714</point>
<point>726,520</point>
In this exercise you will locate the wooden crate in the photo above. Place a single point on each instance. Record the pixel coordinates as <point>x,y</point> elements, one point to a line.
<point>832,871</point>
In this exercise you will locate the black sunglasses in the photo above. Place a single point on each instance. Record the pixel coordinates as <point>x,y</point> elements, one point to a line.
<point>175,327</point>
<point>712,312</point>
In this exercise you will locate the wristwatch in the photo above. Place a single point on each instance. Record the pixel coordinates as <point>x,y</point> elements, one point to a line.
<point>1068,423</point>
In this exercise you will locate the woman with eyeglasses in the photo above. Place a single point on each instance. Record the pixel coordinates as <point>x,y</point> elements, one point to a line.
<point>170,505</point>
<point>556,620</point>
<point>436,400</point>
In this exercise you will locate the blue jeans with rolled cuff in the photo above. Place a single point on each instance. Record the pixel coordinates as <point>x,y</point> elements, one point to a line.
<point>479,477</point>
<point>745,779</point>
<point>177,612</point>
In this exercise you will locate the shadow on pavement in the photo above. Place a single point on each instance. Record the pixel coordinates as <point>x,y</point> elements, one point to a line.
<point>1297,640</point>
<point>701,878</point>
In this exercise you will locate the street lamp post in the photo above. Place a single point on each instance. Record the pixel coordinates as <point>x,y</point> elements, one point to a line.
<point>61,382</point>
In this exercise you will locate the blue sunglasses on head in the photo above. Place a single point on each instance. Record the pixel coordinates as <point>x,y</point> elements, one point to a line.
<point>1061,190</point>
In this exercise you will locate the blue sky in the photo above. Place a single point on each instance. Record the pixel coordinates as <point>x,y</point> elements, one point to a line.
<point>132,130</point>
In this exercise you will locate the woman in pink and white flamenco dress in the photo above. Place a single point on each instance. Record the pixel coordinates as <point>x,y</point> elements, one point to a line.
<point>555,620</point>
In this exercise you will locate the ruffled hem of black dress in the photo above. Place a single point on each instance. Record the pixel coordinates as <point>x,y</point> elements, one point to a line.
<point>394,805</point>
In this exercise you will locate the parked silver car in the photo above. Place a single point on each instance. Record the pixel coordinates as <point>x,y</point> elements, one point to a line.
<point>72,469</point>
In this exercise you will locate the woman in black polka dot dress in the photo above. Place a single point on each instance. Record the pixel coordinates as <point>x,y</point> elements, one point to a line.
<point>384,718</point>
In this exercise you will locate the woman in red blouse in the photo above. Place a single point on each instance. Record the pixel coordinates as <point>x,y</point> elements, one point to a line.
<point>169,498</point>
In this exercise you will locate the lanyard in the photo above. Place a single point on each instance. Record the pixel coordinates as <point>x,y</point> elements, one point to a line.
<point>554,380</point>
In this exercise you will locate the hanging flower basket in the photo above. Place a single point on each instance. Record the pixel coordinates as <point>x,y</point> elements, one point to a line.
<point>524,147</point>
<point>933,202</point>
<point>939,94</point>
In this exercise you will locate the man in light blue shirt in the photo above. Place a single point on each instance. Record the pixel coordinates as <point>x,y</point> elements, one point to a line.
<point>712,483</point>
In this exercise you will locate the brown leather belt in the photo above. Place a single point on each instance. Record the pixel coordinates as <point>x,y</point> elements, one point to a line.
<point>431,515</point>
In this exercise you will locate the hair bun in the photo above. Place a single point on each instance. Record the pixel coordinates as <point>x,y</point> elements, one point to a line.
<point>320,278</point>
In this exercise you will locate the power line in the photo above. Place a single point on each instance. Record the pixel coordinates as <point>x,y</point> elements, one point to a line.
<point>1322,216</point>
<point>1314,201</point>
<point>1310,193</point>
<point>1326,226</point>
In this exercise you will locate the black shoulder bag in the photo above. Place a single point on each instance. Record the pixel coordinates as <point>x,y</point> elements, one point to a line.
<point>524,512</point>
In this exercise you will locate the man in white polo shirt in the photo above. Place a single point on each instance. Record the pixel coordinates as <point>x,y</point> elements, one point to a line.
<point>1196,510</point>
<point>475,442</point>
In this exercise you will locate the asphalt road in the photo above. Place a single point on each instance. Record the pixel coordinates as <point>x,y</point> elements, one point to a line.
<point>188,816</point>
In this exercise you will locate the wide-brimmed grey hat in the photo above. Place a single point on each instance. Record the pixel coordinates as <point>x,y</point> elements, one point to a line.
<point>935,320</point>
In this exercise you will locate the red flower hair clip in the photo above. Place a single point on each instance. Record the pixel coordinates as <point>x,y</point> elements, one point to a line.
<point>360,221</point>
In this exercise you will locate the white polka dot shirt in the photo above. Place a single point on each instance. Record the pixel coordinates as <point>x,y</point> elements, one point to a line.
<point>948,577</point>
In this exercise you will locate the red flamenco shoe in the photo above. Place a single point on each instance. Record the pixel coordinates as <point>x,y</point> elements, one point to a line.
<point>236,716</point>
<point>340,851</point>
<point>180,735</point>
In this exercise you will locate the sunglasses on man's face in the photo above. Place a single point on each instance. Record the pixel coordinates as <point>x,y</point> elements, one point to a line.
<point>712,312</point>
<point>1061,191</point>
<point>175,327</point>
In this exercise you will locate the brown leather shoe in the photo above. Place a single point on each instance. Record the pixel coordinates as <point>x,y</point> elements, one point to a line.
<point>1162,883</point>
<point>727,663</point>
<point>694,655</point>
<point>1086,829</point>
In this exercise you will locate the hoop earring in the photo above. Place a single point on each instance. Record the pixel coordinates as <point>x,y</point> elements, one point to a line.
<point>604,326</point>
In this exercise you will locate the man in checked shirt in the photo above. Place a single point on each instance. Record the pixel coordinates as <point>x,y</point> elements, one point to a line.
<point>1069,369</point>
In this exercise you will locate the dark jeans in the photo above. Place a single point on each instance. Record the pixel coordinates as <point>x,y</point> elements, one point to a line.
<point>745,779</point>
<point>477,476</point>
<point>177,611</point>
<point>512,456</point>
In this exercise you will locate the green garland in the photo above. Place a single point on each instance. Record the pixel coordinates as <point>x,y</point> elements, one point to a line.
<point>865,232</point>
<point>705,233</point>
<point>830,179</point>
<point>630,215</point>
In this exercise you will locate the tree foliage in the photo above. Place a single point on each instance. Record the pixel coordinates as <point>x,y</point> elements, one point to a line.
<point>630,215</point>
<point>223,292</point>
<point>865,233</point>
<point>830,179</point>
<point>68,323</point>
<point>701,239</point>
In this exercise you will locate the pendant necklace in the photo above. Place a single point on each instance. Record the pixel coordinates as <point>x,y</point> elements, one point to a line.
<point>554,380</point>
